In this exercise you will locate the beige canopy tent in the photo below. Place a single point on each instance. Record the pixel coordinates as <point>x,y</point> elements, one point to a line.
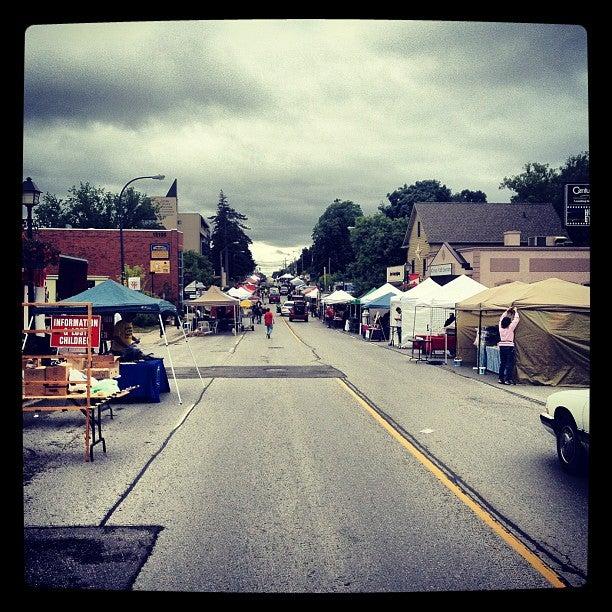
<point>213,296</point>
<point>553,337</point>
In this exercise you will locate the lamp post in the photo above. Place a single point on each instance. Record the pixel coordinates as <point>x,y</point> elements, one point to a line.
<point>30,197</point>
<point>225,269</point>
<point>157,177</point>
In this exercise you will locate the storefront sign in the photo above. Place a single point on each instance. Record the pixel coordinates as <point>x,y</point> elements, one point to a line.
<point>441,269</point>
<point>160,266</point>
<point>71,331</point>
<point>134,283</point>
<point>395,274</point>
<point>160,251</point>
<point>578,205</point>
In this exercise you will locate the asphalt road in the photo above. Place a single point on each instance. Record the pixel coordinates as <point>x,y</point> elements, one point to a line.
<point>287,483</point>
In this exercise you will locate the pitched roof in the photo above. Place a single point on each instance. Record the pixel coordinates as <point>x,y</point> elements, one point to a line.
<point>482,223</point>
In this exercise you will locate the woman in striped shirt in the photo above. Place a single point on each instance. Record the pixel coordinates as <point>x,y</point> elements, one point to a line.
<point>507,324</point>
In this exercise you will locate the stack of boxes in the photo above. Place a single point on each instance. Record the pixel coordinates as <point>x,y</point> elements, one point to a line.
<point>53,380</point>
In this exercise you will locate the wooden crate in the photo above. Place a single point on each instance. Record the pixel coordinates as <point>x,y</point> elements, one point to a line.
<point>34,374</point>
<point>104,361</point>
<point>34,388</point>
<point>57,390</point>
<point>57,374</point>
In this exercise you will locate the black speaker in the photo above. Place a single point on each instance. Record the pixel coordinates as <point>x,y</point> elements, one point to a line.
<point>72,277</point>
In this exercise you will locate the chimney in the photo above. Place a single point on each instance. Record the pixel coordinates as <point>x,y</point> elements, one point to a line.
<point>512,238</point>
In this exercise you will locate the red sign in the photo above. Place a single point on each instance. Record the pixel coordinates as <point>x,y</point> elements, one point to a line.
<point>413,280</point>
<point>71,331</point>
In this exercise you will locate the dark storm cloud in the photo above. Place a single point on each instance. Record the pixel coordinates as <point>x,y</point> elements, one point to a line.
<point>286,116</point>
<point>491,54</point>
<point>162,79</point>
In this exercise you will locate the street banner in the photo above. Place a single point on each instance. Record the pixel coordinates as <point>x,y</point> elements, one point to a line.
<point>71,331</point>
<point>134,283</point>
<point>413,280</point>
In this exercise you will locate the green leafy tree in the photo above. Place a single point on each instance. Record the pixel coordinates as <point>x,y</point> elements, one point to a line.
<point>229,235</point>
<point>541,183</point>
<point>198,268</point>
<point>89,206</point>
<point>331,237</point>
<point>403,198</point>
<point>377,242</point>
<point>469,196</point>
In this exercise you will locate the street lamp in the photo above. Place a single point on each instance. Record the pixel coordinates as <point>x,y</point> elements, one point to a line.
<point>157,177</point>
<point>30,197</point>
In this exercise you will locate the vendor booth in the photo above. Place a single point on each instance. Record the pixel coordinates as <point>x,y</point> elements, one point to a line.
<point>376,325</point>
<point>109,298</point>
<point>552,338</point>
<point>223,307</point>
<point>408,302</point>
<point>339,300</point>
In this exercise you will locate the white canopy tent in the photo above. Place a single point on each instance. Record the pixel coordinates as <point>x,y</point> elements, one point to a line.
<point>408,302</point>
<point>286,276</point>
<point>433,309</point>
<point>338,297</point>
<point>312,294</point>
<point>241,293</point>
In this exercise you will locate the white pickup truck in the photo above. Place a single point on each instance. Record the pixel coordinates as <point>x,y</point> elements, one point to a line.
<point>567,418</point>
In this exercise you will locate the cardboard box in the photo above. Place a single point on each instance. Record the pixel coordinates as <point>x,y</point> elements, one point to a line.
<point>76,362</point>
<point>33,389</point>
<point>104,361</point>
<point>34,374</point>
<point>57,374</point>
<point>57,390</point>
<point>100,373</point>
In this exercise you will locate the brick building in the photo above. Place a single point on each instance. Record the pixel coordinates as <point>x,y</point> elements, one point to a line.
<point>101,248</point>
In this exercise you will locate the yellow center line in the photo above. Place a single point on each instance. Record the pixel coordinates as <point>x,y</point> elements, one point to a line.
<point>480,512</point>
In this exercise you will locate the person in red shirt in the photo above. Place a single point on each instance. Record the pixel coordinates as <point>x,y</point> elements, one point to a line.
<point>269,322</point>
<point>329,315</point>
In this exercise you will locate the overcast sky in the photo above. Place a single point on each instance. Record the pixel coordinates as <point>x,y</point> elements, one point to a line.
<point>286,115</point>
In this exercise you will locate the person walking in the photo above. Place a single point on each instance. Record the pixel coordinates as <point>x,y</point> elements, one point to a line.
<point>269,322</point>
<point>397,318</point>
<point>507,324</point>
<point>329,315</point>
<point>258,310</point>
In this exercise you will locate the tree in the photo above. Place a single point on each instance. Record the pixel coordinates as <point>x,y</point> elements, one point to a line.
<point>540,183</point>
<point>230,242</point>
<point>198,268</point>
<point>377,242</point>
<point>89,206</point>
<point>403,198</point>
<point>331,237</point>
<point>469,196</point>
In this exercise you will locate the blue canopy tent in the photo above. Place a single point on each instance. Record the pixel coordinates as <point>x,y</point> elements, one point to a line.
<point>381,302</point>
<point>110,297</point>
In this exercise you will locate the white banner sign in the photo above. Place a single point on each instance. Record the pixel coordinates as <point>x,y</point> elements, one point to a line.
<point>134,283</point>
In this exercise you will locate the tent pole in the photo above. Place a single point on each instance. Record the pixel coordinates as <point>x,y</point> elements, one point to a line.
<point>170,359</point>
<point>26,335</point>
<point>479,338</point>
<point>192,355</point>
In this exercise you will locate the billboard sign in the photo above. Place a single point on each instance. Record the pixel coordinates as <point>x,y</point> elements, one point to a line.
<point>71,331</point>
<point>577,205</point>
